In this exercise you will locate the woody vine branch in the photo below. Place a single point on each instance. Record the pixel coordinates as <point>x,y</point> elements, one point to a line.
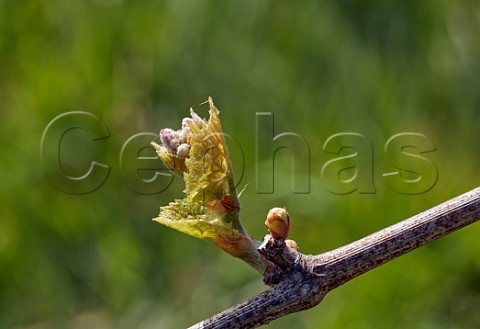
<point>211,211</point>
<point>302,281</point>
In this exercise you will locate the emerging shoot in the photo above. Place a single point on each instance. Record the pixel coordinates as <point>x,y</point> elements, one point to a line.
<point>210,210</point>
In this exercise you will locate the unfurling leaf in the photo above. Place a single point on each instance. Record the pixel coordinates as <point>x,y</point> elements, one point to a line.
<point>211,208</point>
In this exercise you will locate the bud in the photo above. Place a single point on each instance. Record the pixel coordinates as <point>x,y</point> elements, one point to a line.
<point>291,244</point>
<point>278,223</point>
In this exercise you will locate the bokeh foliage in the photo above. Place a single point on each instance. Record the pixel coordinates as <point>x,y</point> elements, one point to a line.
<point>372,67</point>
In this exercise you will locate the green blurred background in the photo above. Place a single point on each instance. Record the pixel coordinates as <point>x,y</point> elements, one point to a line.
<point>322,67</point>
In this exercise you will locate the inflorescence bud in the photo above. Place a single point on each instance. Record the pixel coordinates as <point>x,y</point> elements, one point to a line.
<point>278,223</point>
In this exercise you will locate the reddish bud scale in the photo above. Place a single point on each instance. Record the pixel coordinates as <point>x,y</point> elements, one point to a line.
<point>226,203</point>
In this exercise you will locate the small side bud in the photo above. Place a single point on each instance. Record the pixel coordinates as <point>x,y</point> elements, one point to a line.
<point>278,223</point>
<point>291,244</point>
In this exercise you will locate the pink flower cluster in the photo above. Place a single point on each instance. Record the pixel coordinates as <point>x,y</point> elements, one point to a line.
<point>177,142</point>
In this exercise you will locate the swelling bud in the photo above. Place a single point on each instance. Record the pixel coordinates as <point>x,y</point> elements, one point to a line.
<point>278,223</point>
